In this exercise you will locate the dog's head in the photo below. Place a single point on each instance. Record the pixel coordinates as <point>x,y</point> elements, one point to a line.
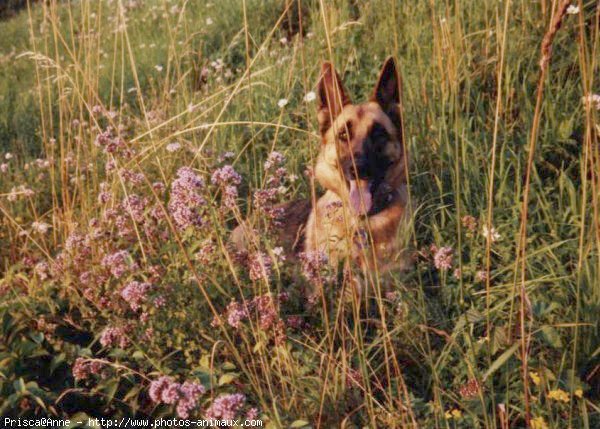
<point>362,156</point>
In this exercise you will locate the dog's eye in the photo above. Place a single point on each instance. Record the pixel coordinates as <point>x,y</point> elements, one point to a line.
<point>345,133</point>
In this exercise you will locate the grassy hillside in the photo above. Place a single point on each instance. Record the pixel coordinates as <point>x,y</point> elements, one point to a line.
<point>118,120</point>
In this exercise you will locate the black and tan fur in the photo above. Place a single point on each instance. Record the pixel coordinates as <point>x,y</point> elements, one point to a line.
<point>361,144</point>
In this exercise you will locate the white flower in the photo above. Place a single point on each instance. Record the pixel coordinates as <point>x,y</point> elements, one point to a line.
<point>573,10</point>
<point>191,107</point>
<point>492,234</point>
<point>310,96</point>
<point>173,147</point>
<point>591,100</point>
<point>8,155</point>
<point>158,68</point>
<point>4,167</point>
<point>40,227</point>
<point>282,103</point>
<point>279,253</point>
<point>209,21</point>
<point>283,40</point>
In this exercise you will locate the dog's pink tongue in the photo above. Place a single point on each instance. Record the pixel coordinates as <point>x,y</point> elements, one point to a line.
<point>360,196</point>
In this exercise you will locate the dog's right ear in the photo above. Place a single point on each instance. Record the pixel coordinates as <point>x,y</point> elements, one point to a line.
<point>332,97</point>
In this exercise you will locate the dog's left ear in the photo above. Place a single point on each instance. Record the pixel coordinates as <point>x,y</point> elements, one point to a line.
<point>387,91</point>
<point>332,97</point>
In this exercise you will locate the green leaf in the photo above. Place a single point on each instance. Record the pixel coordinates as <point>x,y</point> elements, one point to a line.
<point>227,378</point>
<point>110,388</point>
<point>37,337</point>
<point>57,361</point>
<point>138,355</point>
<point>133,392</point>
<point>500,361</point>
<point>565,129</point>
<point>258,346</point>
<point>19,386</point>
<point>228,366</point>
<point>299,424</point>
<point>551,336</point>
<point>473,315</point>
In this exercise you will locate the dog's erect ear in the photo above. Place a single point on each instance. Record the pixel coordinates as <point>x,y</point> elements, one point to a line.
<point>387,91</point>
<point>332,96</point>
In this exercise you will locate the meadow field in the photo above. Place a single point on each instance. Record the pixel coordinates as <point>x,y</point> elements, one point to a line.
<point>136,134</point>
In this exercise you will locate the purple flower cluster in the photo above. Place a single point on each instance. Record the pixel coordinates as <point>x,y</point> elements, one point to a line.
<point>266,310</point>
<point>186,199</point>
<point>267,313</point>
<point>296,322</point>
<point>114,337</point>
<point>134,205</point>
<point>42,269</point>
<point>109,142</point>
<point>259,266</point>
<point>206,252</point>
<point>354,378</point>
<point>226,407</point>
<point>117,263</point>
<point>83,368</point>
<point>226,175</point>
<point>236,314</point>
<point>275,159</point>
<point>481,276</point>
<point>469,222</point>
<point>135,293</point>
<point>78,244</point>
<point>228,179</point>
<point>131,177</point>
<point>185,395</point>
<point>265,199</point>
<point>313,263</point>
<point>104,194</point>
<point>78,248</point>
<point>442,259</point>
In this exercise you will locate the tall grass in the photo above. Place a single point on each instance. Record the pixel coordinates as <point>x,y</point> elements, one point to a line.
<point>500,139</point>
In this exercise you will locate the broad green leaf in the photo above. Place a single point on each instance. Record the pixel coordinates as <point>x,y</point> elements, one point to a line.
<point>500,361</point>
<point>227,378</point>
<point>552,337</point>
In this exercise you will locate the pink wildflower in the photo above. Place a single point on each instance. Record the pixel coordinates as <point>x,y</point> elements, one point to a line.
<point>186,395</point>
<point>135,293</point>
<point>265,308</point>
<point>83,368</point>
<point>186,200</point>
<point>114,336</point>
<point>443,258</point>
<point>481,275</point>
<point>275,159</point>
<point>117,263</point>
<point>236,314</point>
<point>313,263</point>
<point>226,407</point>
<point>42,269</point>
<point>259,266</point>
<point>206,252</point>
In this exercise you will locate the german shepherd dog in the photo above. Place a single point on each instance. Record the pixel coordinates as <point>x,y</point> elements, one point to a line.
<point>362,166</point>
